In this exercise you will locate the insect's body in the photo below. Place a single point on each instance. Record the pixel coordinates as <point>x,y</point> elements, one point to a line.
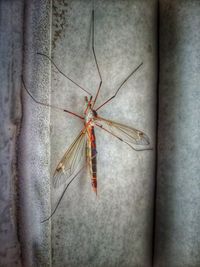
<point>91,156</point>
<point>86,140</point>
<point>91,151</point>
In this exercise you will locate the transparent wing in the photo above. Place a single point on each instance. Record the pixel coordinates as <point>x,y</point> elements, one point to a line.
<point>127,134</point>
<point>70,161</point>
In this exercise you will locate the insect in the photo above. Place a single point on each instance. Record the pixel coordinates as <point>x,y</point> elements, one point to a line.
<point>85,142</point>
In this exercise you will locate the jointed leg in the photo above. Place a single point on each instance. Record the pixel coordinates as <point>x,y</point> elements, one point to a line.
<point>62,195</point>
<point>95,58</point>
<point>120,86</point>
<point>64,73</point>
<point>48,105</point>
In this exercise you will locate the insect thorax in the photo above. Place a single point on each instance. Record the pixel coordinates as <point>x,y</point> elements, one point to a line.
<point>90,115</point>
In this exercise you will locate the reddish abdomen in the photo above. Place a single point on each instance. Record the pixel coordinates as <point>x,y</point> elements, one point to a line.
<point>93,160</point>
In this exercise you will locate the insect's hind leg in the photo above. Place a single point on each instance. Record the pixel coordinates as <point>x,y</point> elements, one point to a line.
<point>61,197</point>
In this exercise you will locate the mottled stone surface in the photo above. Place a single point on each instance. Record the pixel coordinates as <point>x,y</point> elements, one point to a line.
<point>34,144</point>
<point>115,228</point>
<point>178,191</point>
<point>11,21</point>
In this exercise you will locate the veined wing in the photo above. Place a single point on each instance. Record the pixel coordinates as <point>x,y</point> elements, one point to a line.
<point>70,161</point>
<point>127,134</point>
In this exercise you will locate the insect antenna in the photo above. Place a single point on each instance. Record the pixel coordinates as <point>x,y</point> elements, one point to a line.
<point>50,59</point>
<point>120,86</point>
<point>56,207</point>
<point>48,105</point>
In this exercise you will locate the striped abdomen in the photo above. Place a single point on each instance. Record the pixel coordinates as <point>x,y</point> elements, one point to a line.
<point>92,158</point>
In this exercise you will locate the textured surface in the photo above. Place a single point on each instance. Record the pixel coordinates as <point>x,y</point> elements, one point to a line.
<point>178,192</point>
<point>34,188</point>
<point>114,229</point>
<point>11,19</point>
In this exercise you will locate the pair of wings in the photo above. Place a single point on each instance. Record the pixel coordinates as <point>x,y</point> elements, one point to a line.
<point>74,155</point>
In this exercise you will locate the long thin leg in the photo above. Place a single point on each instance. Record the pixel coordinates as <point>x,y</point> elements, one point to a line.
<point>95,99</point>
<point>62,195</point>
<point>120,86</point>
<point>95,58</point>
<point>47,105</point>
<point>64,73</point>
<point>120,139</point>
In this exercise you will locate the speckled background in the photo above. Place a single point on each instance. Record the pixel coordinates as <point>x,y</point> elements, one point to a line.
<point>116,228</point>
<point>34,142</point>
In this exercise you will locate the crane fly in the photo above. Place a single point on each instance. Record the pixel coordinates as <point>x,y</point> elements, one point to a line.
<point>85,142</point>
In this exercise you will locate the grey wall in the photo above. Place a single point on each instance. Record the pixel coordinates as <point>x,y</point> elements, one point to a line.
<point>11,21</point>
<point>178,192</point>
<point>34,142</point>
<point>116,228</point>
